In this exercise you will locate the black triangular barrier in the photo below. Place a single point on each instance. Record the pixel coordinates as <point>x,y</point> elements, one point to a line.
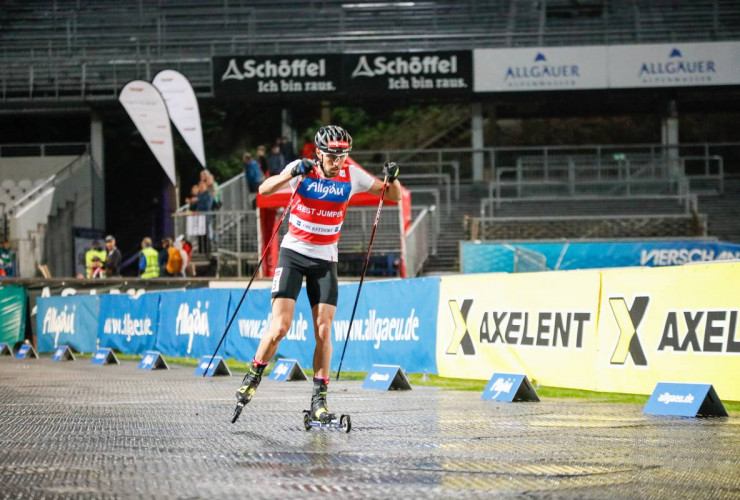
<point>5,350</point>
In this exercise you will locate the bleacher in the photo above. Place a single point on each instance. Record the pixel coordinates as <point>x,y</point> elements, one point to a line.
<point>54,49</point>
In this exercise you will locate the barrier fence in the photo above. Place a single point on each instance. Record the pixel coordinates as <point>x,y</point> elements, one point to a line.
<point>614,330</point>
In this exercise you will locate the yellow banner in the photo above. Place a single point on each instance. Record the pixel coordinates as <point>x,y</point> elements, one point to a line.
<point>541,324</point>
<point>617,330</point>
<point>670,324</point>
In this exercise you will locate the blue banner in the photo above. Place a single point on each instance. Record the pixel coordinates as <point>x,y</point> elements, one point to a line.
<point>191,323</point>
<point>128,324</point>
<point>395,323</point>
<point>71,320</point>
<point>486,257</point>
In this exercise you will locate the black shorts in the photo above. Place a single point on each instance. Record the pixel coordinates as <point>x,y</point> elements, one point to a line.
<point>321,278</point>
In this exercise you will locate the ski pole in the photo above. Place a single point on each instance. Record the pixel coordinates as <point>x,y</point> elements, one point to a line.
<point>256,270</point>
<point>364,270</point>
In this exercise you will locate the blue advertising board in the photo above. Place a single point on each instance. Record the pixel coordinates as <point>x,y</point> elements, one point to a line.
<point>507,387</point>
<point>486,257</point>
<point>191,323</point>
<point>71,320</point>
<point>386,378</point>
<point>128,324</point>
<point>396,321</point>
<point>684,400</point>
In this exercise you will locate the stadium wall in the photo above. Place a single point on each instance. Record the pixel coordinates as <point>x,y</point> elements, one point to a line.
<point>613,330</point>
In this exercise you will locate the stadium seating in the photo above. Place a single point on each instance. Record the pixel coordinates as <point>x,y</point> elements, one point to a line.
<point>58,48</point>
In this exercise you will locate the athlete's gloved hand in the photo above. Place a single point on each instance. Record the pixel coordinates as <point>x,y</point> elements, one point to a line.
<point>303,167</point>
<point>391,170</point>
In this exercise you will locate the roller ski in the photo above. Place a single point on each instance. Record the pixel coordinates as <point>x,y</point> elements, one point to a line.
<point>249,386</point>
<point>319,414</point>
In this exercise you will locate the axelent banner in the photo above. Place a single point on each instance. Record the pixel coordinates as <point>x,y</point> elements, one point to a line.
<point>128,324</point>
<point>395,323</point>
<point>71,321</point>
<point>192,322</point>
<point>294,76</point>
<point>540,324</point>
<point>389,73</point>
<point>677,324</point>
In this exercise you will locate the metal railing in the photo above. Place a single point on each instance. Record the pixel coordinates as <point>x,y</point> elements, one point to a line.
<point>417,241</point>
<point>44,149</point>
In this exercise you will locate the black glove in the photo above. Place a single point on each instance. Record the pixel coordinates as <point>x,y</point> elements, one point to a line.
<point>303,167</point>
<point>391,170</point>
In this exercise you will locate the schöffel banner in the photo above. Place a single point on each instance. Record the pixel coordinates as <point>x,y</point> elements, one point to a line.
<point>388,73</point>
<point>128,324</point>
<point>677,324</point>
<point>489,257</point>
<point>539,324</point>
<point>71,321</point>
<point>13,314</point>
<point>280,76</point>
<point>395,323</point>
<point>191,323</point>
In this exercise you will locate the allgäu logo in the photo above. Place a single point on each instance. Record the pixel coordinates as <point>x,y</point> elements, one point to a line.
<point>192,323</point>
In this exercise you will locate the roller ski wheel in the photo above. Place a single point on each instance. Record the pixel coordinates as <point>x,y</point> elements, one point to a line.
<point>343,423</point>
<point>237,412</point>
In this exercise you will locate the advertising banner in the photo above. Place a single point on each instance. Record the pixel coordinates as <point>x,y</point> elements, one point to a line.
<point>146,108</point>
<point>488,257</point>
<point>539,324</point>
<point>388,73</point>
<point>191,323</point>
<point>128,324</point>
<point>71,321</point>
<point>395,323</point>
<point>182,107</point>
<point>539,68</point>
<point>674,65</point>
<point>13,314</point>
<point>289,76</point>
<point>675,324</point>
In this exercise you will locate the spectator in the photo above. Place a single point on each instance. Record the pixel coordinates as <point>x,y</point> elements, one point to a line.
<point>113,259</point>
<point>148,263</point>
<point>205,204</point>
<point>262,159</point>
<point>179,245</point>
<point>286,149</point>
<point>174,259</point>
<point>7,260</point>
<point>164,256</point>
<point>252,172</point>
<point>276,161</point>
<point>213,188</point>
<point>192,200</point>
<point>97,270</point>
<point>95,250</point>
<point>308,148</point>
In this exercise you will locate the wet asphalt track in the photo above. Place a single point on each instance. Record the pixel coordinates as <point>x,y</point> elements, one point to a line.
<point>77,430</point>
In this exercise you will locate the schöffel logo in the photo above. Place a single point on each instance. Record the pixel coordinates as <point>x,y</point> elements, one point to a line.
<point>628,320</point>
<point>413,65</point>
<point>676,69</point>
<point>192,323</point>
<point>542,74</point>
<point>282,68</point>
<point>56,323</point>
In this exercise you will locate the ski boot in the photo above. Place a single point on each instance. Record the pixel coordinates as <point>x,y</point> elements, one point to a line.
<point>319,414</point>
<point>249,386</point>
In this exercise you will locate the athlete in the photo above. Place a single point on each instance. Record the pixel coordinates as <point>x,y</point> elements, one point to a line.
<point>309,250</point>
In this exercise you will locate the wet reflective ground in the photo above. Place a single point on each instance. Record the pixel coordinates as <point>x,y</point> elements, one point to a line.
<point>74,429</point>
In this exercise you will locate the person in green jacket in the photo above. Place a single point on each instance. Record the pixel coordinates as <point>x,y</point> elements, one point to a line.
<point>149,260</point>
<point>95,251</point>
